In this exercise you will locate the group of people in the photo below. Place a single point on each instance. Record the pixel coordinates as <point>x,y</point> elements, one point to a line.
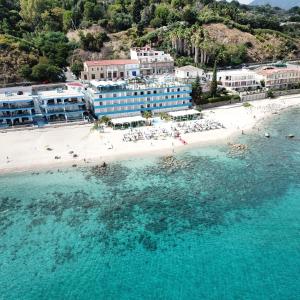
<point>173,130</point>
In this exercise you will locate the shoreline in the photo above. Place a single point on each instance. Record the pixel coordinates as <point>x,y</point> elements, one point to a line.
<point>26,151</point>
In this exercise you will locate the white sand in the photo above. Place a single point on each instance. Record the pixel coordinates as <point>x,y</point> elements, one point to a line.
<point>27,149</point>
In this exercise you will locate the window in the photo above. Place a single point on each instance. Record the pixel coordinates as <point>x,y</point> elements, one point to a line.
<point>148,92</point>
<point>142,93</point>
<point>102,75</point>
<point>100,103</point>
<point>93,76</point>
<point>154,92</point>
<point>121,74</point>
<point>148,105</point>
<point>160,104</point>
<point>135,93</point>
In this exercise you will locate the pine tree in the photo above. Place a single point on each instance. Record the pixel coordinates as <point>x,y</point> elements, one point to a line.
<point>214,83</point>
<point>196,91</point>
<point>136,11</point>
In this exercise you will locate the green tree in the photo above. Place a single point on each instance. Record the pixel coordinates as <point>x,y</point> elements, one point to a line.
<point>214,82</point>
<point>136,11</point>
<point>31,10</point>
<point>44,72</point>
<point>67,20</point>
<point>55,46</point>
<point>25,72</point>
<point>197,91</point>
<point>77,68</point>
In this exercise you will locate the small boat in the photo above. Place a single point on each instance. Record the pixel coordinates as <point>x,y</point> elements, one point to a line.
<point>290,136</point>
<point>267,135</point>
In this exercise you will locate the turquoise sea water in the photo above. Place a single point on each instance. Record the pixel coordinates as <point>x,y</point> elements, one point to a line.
<point>209,224</point>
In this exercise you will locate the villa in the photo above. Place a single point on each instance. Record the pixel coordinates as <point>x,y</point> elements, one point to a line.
<point>121,99</point>
<point>237,80</point>
<point>110,69</point>
<point>151,61</point>
<point>16,109</point>
<point>280,77</point>
<point>188,74</point>
<point>62,105</point>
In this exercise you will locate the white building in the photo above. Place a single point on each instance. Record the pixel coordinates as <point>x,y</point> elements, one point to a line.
<point>119,99</point>
<point>16,109</point>
<point>62,105</point>
<point>188,74</point>
<point>151,61</point>
<point>237,80</point>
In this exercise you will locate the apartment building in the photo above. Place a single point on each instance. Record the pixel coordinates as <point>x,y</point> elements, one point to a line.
<point>279,77</point>
<point>110,69</point>
<point>151,61</point>
<point>237,80</point>
<point>16,109</point>
<point>120,99</point>
<point>62,105</point>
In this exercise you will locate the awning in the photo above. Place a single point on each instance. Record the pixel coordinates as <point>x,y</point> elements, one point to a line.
<point>128,120</point>
<point>182,113</point>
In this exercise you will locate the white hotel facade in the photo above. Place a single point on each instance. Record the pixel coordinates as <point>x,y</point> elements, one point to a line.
<point>237,80</point>
<point>119,99</point>
<point>16,109</point>
<point>62,105</point>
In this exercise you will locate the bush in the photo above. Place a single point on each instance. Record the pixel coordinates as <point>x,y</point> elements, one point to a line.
<point>247,104</point>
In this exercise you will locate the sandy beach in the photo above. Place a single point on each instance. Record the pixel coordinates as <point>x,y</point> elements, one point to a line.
<point>75,145</point>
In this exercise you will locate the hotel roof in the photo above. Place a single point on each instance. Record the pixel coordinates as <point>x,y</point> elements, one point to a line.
<point>109,62</point>
<point>189,69</point>
<point>97,83</point>
<point>270,71</point>
<point>59,93</point>
<point>13,97</point>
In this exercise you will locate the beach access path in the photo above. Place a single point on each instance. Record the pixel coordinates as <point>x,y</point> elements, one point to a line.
<point>28,150</point>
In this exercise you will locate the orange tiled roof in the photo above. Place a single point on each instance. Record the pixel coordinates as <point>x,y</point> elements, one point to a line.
<point>275,71</point>
<point>110,62</point>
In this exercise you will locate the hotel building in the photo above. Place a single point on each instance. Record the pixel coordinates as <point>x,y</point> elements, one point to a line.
<point>152,62</point>
<point>16,109</point>
<point>280,77</point>
<point>121,99</point>
<point>62,105</point>
<point>110,69</point>
<point>237,80</point>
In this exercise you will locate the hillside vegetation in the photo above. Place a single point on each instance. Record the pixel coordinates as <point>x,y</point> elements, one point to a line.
<point>40,38</point>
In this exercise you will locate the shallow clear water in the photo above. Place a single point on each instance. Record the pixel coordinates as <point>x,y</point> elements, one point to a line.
<point>210,224</point>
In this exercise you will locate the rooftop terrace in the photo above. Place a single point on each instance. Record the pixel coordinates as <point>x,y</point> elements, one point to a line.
<point>14,97</point>
<point>60,93</point>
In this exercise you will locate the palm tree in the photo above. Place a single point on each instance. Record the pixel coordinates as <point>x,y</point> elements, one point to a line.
<point>147,115</point>
<point>99,124</point>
